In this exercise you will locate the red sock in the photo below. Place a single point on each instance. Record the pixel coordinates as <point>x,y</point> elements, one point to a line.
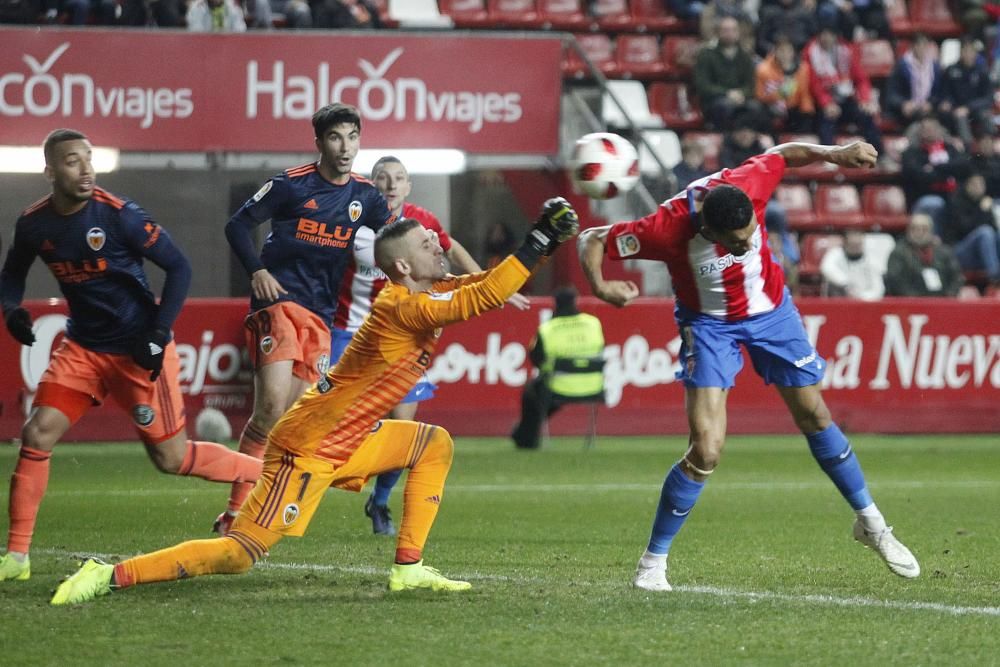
<point>218,463</point>
<point>253,442</point>
<point>27,487</point>
<point>408,556</point>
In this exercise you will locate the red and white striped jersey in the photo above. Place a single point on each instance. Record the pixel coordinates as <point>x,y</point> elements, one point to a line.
<point>363,280</point>
<point>708,278</point>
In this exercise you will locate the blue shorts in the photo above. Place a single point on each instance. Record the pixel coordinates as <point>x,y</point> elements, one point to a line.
<point>710,353</point>
<point>421,391</point>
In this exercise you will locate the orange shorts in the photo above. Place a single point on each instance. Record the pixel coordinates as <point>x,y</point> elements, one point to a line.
<point>287,331</point>
<point>78,378</point>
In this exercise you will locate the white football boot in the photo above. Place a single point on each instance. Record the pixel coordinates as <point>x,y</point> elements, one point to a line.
<point>652,577</point>
<point>892,551</point>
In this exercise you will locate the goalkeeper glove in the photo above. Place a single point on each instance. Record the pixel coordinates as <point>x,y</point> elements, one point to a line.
<point>148,351</point>
<point>557,223</point>
<point>19,325</point>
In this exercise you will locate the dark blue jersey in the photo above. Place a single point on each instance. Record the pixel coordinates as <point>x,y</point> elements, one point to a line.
<point>96,254</point>
<point>313,223</point>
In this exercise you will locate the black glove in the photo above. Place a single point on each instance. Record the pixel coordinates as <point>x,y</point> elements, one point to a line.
<point>19,326</point>
<point>557,222</point>
<point>148,349</point>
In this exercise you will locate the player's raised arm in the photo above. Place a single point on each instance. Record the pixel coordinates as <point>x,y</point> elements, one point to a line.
<point>854,154</point>
<point>592,246</point>
<point>411,256</point>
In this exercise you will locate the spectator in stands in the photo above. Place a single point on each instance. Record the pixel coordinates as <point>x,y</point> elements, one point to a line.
<point>296,13</point>
<point>841,88</point>
<point>849,271</point>
<point>215,16</point>
<point>793,19</point>
<point>986,161</point>
<point>931,167</point>
<point>163,13</point>
<point>724,75</point>
<point>352,14</point>
<point>970,228</point>
<point>692,164</point>
<point>920,265</point>
<point>914,83</point>
<point>783,87</point>
<point>965,97</point>
<point>856,19</point>
<point>741,10</point>
<point>80,11</point>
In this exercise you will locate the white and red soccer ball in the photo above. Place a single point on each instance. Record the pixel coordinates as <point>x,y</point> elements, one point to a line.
<point>604,165</point>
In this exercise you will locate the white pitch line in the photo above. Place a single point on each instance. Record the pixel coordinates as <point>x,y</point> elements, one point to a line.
<point>723,593</point>
<point>719,486</point>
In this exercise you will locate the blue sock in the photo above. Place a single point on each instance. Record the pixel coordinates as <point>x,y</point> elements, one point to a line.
<point>836,457</point>
<point>383,486</point>
<point>678,496</point>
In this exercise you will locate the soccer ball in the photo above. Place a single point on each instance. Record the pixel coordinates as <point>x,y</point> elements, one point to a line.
<point>213,426</point>
<point>604,165</point>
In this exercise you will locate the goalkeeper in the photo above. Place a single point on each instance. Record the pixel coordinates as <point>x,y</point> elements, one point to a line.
<point>333,434</point>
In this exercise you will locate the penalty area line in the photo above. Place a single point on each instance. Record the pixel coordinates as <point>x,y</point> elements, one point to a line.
<point>712,591</point>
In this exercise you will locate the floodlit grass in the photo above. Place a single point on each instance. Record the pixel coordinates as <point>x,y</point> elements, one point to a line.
<point>766,571</point>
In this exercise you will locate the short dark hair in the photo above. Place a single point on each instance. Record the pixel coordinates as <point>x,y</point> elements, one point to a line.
<point>55,138</point>
<point>384,160</point>
<point>726,207</point>
<point>389,233</point>
<point>335,114</point>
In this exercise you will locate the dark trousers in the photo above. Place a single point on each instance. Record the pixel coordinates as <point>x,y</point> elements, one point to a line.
<point>850,112</point>
<point>537,405</point>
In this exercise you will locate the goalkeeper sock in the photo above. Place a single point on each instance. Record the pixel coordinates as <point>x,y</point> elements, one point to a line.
<point>218,463</point>
<point>677,498</point>
<point>27,488</point>
<point>835,456</point>
<point>423,491</point>
<point>253,442</point>
<point>383,487</point>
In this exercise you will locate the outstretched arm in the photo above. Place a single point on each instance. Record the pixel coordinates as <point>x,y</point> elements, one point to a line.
<point>462,261</point>
<point>854,154</point>
<point>591,246</point>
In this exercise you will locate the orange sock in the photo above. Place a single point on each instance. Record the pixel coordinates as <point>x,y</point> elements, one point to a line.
<point>218,463</point>
<point>233,554</point>
<point>253,442</point>
<point>422,495</point>
<point>27,487</point>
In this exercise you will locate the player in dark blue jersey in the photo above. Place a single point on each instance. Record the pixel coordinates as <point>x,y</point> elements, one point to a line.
<point>315,211</point>
<point>118,340</point>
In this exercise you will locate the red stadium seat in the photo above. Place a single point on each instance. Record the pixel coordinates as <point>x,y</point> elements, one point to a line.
<point>838,206</point>
<point>649,15</point>
<point>899,18</point>
<point>676,105</point>
<point>521,14</point>
<point>877,58</point>
<point>884,207</point>
<point>466,13</point>
<point>798,204</point>
<point>564,15</point>
<point>598,48</point>
<point>679,53</point>
<point>613,15</point>
<point>638,57</point>
<point>711,144</point>
<point>934,18</point>
<point>813,247</point>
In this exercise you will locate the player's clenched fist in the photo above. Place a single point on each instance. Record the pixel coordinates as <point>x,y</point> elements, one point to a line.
<point>617,292</point>
<point>855,154</point>
<point>19,325</point>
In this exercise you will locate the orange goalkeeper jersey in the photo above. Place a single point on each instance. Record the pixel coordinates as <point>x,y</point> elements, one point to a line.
<point>386,357</point>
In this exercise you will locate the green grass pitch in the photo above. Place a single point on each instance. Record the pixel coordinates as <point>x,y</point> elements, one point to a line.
<point>765,569</point>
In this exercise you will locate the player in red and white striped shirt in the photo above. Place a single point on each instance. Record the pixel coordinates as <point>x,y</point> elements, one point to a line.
<point>731,294</point>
